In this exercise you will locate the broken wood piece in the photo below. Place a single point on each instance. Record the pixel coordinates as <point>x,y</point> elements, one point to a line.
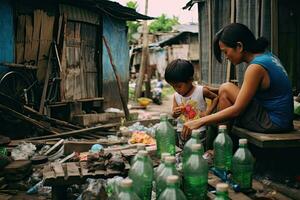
<point>54,146</point>
<point>68,157</point>
<point>28,119</point>
<point>14,65</point>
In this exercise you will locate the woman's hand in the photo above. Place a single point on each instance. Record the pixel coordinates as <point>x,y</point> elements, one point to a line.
<point>189,126</point>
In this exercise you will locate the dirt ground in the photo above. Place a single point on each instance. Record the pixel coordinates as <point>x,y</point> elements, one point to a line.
<point>154,110</point>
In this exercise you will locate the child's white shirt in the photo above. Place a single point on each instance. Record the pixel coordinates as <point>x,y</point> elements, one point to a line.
<point>196,96</point>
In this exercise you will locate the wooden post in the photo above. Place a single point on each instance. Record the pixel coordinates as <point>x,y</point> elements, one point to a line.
<point>209,11</point>
<point>274,26</point>
<point>46,81</point>
<point>144,63</point>
<point>199,41</point>
<point>124,104</point>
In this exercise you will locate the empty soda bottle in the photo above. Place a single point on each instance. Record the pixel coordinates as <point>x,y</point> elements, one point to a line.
<point>165,136</point>
<point>242,166</point>
<point>141,173</point>
<point>222,149</point>
<point>170,169</point>
<point>138,148</point>
<point>161,166</point>
<point>195,173</point>
<point>222,191</point>
<point>172,191</point>
<point>195,139</point>
<point>127,192</point>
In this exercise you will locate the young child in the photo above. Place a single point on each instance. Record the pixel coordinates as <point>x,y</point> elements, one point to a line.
<point>189,100</point>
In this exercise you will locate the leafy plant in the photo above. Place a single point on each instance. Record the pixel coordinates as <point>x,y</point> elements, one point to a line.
<point>163,24</point>
<point>132,25</point>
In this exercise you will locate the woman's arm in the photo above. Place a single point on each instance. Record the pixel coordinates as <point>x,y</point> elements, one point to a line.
<point>252,80</point>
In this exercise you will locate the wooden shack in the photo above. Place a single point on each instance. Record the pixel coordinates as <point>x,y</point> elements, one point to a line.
<point>69,35</point>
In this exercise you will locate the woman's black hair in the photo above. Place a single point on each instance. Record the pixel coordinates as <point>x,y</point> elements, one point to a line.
<point>179,70</point>
<point>233,33</point>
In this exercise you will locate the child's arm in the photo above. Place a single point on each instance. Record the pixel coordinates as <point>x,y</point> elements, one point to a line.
<point>214,97</point>
<point>176,109</point>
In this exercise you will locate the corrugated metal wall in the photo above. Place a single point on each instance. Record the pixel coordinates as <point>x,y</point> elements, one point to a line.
<point>256,14</point>
<point>204,40</point>
<point>115,33</point>
<point>6,33</point>
<point>221,17</point>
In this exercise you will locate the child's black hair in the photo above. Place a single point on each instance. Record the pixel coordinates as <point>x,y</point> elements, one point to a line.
<point>233,33</point>
<point>179,70</point>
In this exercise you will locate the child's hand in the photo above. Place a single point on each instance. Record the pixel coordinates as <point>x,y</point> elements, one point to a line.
<point>177,111</point>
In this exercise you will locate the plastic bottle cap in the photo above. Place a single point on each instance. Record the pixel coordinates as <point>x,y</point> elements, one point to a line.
<point>172,179</point>
<point>126,182</point>
<point>222,187</point>
<point>243,141</point>
<point>170,159</point>
<point>195,132</point>
<point>164,155</point>
<point>222,126</point>
<point>196,147</point>
<point>140,147</point>
<point>143,153</point>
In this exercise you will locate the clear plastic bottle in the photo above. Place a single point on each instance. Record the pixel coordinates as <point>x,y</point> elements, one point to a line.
<point>126,191</point>
<point>165,136</point>
<point>222,149</point>
<point>195,173</point>
<point>242,166</point>
<point>161,166</point>
<point>170,169</point>
<point>141,173</point>
<point>222,191</point>
<point>138,148</point>
<point>195,139</point>
<point>172,191</point>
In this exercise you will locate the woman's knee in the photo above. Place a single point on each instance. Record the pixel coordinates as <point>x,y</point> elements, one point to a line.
<point>228,91</point>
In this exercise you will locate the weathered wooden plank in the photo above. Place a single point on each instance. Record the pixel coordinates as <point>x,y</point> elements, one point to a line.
<point>44,45</point>
<point>290,139</point>
<point>48,172</point>
<point>28,38</point>
<point>83,168</point>
<point>20,38</point>
<point>58,170</point>
<point>214,180</point>
<point>37,22</point>
<point>72,169</point>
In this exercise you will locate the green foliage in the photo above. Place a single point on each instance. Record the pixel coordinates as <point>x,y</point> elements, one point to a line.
<point>132,26</point>
<point>163,24</point>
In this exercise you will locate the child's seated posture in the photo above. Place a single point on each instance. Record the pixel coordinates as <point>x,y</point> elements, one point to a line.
<point>189,100</point>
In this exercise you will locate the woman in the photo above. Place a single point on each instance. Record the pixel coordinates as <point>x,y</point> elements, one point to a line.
<point>264,103</point>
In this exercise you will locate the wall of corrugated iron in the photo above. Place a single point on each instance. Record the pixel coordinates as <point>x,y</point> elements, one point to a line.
<point>6,33</point>
<point>114,32</point>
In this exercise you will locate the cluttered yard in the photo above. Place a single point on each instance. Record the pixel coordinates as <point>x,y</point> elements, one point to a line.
<point>81,110</point>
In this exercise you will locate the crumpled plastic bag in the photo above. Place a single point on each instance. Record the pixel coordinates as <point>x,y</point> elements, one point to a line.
<point>23,151</point>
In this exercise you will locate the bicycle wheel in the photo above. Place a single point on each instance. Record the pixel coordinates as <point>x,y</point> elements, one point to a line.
<point>18,87</point>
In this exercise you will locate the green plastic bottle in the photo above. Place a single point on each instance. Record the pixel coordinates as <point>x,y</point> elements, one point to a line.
<point>141,173</point>
<point>126,191</point>
<point>195,173</point>
<point>165,136</point>
<point>222,191</point>
<point>138,148</point>
<point>161,166</point>
<point>243,165</point>
<point>222,149</point>
<point>170,169</point>
<point>172,191</point>
<point>187,149</point>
